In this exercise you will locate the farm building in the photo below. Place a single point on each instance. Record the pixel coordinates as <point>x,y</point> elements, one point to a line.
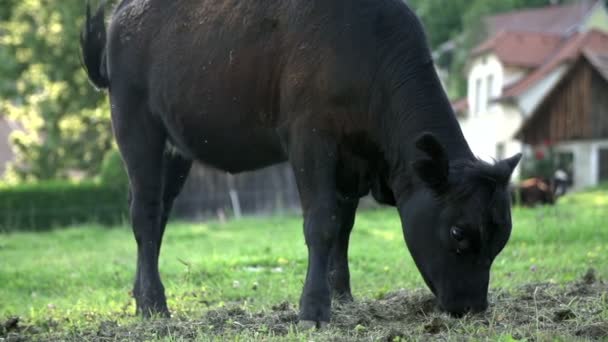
<point>527,57</point>
<point>573,120</point>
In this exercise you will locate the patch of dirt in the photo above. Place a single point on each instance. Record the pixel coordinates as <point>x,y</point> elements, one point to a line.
<point>532,312</point>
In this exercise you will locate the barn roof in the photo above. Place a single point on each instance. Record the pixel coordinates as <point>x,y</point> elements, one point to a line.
<point>593,43</point>
<point>520,48</point>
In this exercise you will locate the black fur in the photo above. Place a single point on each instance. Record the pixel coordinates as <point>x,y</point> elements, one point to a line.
<point>93,43</point>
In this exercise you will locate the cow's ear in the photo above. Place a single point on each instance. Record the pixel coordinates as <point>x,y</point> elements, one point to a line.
<point>512,162</point>
<point>433,168</point>
<point>504,169</point>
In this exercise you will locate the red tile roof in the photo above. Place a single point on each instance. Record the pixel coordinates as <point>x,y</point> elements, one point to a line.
<point>593,42</point>
<point>519,48</point>
<point>555,19</point>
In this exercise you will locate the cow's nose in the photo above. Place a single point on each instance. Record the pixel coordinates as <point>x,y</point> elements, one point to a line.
<point>469,307</point>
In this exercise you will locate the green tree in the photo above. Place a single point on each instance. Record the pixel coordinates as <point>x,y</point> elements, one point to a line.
<point>6,9</point>
<point>65,121</point>
<point>442,19</point>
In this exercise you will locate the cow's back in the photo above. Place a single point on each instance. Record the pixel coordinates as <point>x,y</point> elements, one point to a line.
<point>249,67</point>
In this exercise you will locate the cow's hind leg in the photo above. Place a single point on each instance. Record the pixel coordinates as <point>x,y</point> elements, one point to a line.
<point>141,140</point>
<point>339,274</point>
<point>175,172</point>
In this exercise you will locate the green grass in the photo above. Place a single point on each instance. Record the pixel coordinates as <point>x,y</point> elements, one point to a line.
<point>82,275</point>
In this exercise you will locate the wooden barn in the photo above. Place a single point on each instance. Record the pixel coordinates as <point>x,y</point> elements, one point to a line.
<point>573,120</point>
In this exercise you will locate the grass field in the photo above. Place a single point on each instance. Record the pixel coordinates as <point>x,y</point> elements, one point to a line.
<point>75,283</point>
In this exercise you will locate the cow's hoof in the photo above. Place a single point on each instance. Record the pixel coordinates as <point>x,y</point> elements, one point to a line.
<point>310,325</point>
<point>343,298</point>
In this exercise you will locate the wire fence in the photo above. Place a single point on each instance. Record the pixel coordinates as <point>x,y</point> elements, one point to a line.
<point>209,193</point>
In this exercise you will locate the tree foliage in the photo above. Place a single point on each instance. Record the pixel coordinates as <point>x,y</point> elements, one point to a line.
<point>65,122</point>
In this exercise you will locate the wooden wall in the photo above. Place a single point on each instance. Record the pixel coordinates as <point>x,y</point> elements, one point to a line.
<point>576,109</point>
<point>599,106</point>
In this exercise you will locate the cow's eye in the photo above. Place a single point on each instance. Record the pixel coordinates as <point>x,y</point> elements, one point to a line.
<point>457,233</point>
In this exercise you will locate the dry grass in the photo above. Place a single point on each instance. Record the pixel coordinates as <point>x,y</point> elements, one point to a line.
<point>534,312</point>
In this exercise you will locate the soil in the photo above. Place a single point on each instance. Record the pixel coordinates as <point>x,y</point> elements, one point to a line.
<point>574,311</point>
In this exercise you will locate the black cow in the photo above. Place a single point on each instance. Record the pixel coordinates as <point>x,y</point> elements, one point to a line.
<point>343,89</point>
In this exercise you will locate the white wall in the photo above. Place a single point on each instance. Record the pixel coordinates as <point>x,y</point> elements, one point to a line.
<point>586,161</point>
<point>482,67</point>
<point>496,123</point>
<point>497,126</point>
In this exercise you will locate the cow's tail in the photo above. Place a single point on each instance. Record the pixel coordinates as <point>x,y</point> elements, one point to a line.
<point>93,47</point>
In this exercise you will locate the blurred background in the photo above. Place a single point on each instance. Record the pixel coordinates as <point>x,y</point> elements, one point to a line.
<point>525,76</point>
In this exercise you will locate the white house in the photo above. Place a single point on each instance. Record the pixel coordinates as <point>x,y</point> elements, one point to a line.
<point>527,53</point>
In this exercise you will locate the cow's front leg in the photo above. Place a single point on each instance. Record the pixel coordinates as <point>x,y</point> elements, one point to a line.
<point>320,230</point>
<point>313,157</point>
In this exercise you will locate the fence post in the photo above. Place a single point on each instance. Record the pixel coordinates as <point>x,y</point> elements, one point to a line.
<point>236,205</point>
<point>234,196</point>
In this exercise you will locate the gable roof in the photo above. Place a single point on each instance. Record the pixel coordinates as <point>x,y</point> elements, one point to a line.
<point>554,19</point>
<point>520,48</point>
<point>593,42</point>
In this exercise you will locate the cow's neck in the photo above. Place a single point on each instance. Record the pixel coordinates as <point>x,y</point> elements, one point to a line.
<point>419,104</point>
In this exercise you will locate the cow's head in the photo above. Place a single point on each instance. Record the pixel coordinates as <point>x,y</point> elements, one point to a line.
<point>455,222</point>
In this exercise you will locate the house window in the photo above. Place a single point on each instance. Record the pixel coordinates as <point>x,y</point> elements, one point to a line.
<point>478,96</point>
<point>603,165</point>
<point>490,92</point>
<point>500,151</point>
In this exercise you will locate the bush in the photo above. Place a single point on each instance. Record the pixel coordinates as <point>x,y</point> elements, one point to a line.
<point>46,205</point>
<point>113,171</point>
<point>542,164</point>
